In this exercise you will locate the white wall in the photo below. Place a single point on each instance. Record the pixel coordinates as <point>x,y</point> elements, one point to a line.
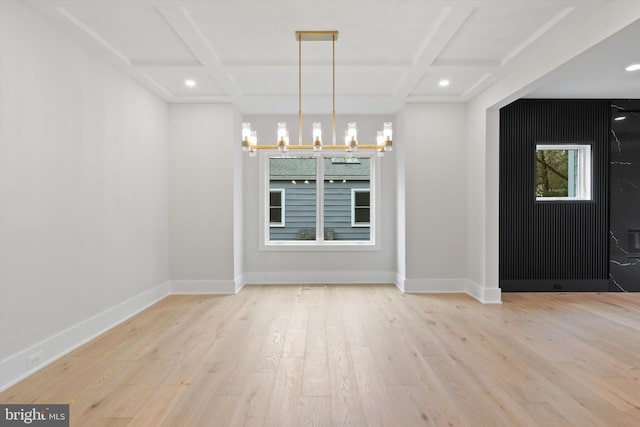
<point>320,266</point>
<point>83,190</point>
<point>434,155</point>
<point>204,141</point>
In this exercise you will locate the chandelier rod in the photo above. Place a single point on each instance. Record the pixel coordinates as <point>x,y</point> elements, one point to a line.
<point>300,91</point>
<point>333,82</point>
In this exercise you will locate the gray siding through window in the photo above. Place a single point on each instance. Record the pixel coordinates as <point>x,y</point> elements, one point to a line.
<point>300,198</point>
<point>300,210</point>
<point>337,210</point>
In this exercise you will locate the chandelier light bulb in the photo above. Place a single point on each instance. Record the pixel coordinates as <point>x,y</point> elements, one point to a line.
<point>388,136</point>
<point>387,130</point>
<point>246,130</point>
<point>282,130</point>
<point>351,136</point>
<point>283,137</point>
<point>352,129</point>
<point>246,135</point>
<point>317,136</point>
<point>317,131</point>
<point>380,142</point>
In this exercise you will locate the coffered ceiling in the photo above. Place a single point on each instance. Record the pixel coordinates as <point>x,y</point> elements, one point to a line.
<point>244,51</point>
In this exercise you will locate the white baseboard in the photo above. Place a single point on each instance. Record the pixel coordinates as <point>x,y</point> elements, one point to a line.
<point>399,282</point>
<point>203,287</point>
<point>484,295</point>
<point>466,286</point>
<point>239,283</point>
<point>319,277</point>
<point>14,368</point>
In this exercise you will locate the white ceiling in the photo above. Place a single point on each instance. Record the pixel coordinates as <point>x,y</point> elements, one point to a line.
<point>598,72</point>
<point>244,51</point>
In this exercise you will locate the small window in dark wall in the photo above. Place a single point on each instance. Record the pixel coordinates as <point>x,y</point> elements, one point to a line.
<point>563,172</point>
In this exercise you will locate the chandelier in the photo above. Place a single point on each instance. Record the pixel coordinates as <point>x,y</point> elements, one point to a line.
<point>384,137</point>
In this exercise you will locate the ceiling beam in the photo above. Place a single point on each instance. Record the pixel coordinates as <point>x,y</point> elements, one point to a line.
<point>447,26</point>
<point>187,29</point>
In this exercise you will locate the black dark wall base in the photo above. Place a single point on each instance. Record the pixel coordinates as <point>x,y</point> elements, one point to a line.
<point>554,285</point>
<point>546,245</point>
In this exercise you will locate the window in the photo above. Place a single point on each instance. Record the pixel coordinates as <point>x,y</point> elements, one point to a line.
<point>328,200</point>
<point>360,207</point>
<point>563,172</point>
<point>343,176</point>
<point>295,178</point>
<point>276,207</point>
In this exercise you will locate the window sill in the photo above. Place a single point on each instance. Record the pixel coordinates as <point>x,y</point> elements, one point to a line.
<point>563,199</point>
<point>311,246</point>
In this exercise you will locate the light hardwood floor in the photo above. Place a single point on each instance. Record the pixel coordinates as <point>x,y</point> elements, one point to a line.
<point>356,355</point>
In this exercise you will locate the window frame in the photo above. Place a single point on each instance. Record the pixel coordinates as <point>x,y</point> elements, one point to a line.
<point>584,186</point>
<point>282,222</point>
<point>354,223</point>
<point>320,244</point>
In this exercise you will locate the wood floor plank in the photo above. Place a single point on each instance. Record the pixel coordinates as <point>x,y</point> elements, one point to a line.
<point>314,411</point>
<point>286,393</point>
<point>360,355</point>
<point>346,403</point>
<point>159,406</point>
<point>378,406</point>
<point>315,377</point>
<point>296,335</point>
<point>254,401</point>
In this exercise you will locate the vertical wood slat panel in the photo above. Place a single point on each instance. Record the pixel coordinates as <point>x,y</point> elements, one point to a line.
<point>552,240</point>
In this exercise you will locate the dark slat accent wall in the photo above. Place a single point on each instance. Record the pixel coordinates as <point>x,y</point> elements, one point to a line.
<point>546,246</point>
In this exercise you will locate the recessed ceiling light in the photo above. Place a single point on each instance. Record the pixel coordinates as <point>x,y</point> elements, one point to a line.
<point>633,67</point>
<point>443,83</point>
<point>190,82</point>
<point>620,118</point>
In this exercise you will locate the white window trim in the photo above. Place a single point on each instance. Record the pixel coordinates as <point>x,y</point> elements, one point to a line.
<point>353,207</point>
<point>583,190</point>
<point>282,207</point>
<point>264,244</point>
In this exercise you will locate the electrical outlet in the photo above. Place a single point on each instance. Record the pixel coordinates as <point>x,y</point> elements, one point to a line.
<point>34,359</point>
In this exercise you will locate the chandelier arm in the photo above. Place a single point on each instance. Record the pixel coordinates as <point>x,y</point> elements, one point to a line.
<point>324,147</point>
